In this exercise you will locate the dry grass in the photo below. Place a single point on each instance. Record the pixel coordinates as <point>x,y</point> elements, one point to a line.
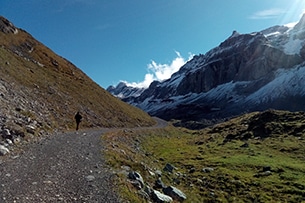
<point>49,84</point>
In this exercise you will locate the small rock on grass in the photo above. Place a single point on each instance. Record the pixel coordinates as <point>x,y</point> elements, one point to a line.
<point>137,177</point>
<point>159,183</point>
<point>207,170</point>
<point>169,168</point>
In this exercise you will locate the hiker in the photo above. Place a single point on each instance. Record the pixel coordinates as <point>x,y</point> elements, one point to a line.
<point>78,119</point>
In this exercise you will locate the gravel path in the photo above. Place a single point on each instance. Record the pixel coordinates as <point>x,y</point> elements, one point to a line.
<point>65,167</point>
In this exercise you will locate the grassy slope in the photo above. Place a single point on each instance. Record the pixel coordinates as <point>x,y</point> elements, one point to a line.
<point>53,86</point>
<point>275,140</point>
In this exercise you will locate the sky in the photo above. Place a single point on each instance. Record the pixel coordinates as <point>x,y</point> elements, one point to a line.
<point>138,41</point>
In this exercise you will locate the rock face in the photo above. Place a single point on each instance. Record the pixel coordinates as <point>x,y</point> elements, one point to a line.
<point>122,90</point>
<point>246,57</point>
<point>7,27</point>
<point>246,72</point>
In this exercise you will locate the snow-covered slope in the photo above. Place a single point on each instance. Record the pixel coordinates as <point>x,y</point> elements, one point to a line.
<point>246,72</point>
<point>122,91</point>
<point>287,83</point>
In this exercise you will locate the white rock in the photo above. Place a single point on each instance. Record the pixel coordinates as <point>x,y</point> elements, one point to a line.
<point>136,176</point>
<point>8,141</point>
<point>175,193</point>
<point>3,150</point>
<point>17,140</point>
<point>90,178</point>
<point>160,197</point>
<point>7,132</point>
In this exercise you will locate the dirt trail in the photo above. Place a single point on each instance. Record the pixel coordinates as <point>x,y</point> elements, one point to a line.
<point>65,167</point>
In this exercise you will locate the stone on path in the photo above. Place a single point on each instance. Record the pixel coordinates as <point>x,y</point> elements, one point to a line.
<point>90,178</point>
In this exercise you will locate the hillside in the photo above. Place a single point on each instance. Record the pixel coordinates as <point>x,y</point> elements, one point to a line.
<point>257,157</point>
<point>246,72</point>
<point>41,91</point>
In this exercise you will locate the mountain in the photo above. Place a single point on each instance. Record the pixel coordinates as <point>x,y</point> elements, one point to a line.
<point>246,72</point>
<point>41,91</point>
<point>122,90</point>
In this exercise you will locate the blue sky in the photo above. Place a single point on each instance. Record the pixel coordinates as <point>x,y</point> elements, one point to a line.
<point>141,40</point>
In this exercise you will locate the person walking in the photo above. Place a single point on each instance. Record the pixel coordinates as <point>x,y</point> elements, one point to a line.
<point>78,119</point>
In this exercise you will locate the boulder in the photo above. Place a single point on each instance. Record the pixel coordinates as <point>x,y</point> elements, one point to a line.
<point>159,184</point>
<point>169,168</point>
<point>208,170</point>
<point>9,142</point>
<point>90,178</point>
<point>159,173</point>
<point>175,193</point>
<point>3,150</point>
<point>143,194</point>
<point>16,140</point>
<point>245,145</point>
<point>31,129</point>
<point>6,134</point>
<point>160,197</point>
<point>136,177</point>
<point>266,168</point>
<point>263,174</point>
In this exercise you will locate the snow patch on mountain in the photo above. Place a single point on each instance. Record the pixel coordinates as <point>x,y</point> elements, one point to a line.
<point>293,46</point>
<point>122,90</point>
<point>286,83</point>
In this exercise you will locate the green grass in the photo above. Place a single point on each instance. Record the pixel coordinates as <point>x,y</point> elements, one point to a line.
<point>237,175</point>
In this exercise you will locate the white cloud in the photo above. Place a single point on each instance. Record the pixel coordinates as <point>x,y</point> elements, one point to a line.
<point>267,14</point>
<point>148,79</point>
<point>291,25</point>
<point>160,72</point>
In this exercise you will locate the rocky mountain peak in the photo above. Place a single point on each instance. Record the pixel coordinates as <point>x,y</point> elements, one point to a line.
<point>234,34</point>
<point>246,72</point>
<point>301,23</point>
<point>123,90</point>
<point>7,27</point>
<point>122,85</point>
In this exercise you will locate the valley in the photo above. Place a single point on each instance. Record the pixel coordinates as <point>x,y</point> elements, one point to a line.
<point>256,157</point>
<point>234,129</point>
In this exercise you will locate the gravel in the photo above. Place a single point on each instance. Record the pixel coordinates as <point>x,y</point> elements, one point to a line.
<point>65,167</point>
